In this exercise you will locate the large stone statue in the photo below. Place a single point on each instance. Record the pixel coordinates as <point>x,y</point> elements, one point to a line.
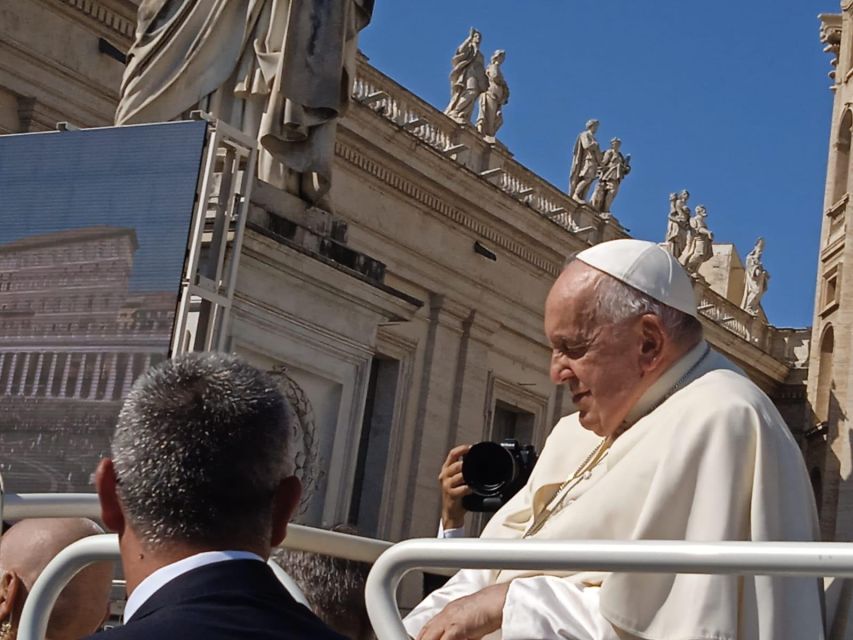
<point>586,157</point>
<point>678,224</point>
<point>279,70</point>
<point>467,78</point>
<point>757,279</point>
<point>612,170</point>
<point>491,117</point>
<point>700,247</point>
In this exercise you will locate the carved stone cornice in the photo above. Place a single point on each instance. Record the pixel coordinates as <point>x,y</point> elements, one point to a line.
<point>830,37</point>
<point>425,198</point>
<point>117,18</point>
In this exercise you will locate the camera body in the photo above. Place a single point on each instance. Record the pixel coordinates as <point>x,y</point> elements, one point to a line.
<point>495,472</point>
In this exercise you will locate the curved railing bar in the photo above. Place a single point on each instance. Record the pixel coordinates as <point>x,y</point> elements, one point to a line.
<point>68,562</point>
<point>58,573</point>
<point>647,556</point>
<point>299,537</point>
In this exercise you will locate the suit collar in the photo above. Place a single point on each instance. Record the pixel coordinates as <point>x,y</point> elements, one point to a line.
<point>163,577</point>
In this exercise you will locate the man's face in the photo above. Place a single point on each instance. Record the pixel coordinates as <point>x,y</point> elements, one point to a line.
<point>599,362</point>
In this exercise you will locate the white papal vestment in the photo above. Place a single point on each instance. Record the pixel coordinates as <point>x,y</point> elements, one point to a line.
<point>707,457</point>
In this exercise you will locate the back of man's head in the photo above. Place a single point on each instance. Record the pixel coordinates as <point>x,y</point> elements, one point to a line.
<point>25,550</point>
<point>199,452</point>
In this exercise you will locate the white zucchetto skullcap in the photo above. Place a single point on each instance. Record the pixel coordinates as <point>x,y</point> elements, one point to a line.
<point>647,267</point>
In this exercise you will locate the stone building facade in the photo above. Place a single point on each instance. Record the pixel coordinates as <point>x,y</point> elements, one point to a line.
<point>411,315</point>
<point>828,440</point>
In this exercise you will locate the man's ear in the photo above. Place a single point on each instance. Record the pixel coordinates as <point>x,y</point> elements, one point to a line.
<point>653,338</point>
<point>284,505</point>
<point>12,590</point>
<point>106,484</point>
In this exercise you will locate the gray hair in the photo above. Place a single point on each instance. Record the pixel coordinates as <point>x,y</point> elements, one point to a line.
<point>617,301</point>
<point>334,587</point>
<point>199,450</point>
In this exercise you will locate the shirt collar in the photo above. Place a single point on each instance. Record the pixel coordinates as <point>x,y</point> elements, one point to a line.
<point>164,575</point>
<point>664,386</point>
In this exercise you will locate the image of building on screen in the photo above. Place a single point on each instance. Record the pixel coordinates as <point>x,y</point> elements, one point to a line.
<point>73,338</point>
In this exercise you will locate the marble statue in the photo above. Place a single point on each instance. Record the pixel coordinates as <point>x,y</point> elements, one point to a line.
<point>700,247</point>
<point>612,170</point>
<point>492,101</point>
<point>279,70</point>
<point>678,224</point>
<point>586,158</point>
<point>468,78</point>
<point>757,279</point>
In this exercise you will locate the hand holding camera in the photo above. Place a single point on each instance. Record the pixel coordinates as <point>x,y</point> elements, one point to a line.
<point>453,488</point>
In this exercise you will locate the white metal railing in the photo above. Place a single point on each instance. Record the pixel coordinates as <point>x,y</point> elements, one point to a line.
<point>647,556</point>
<point>73,558</point>
<point>68,562</point>
<point>85,505</point>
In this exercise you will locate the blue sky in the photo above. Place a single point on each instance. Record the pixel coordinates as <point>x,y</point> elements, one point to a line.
<point>728,99</point>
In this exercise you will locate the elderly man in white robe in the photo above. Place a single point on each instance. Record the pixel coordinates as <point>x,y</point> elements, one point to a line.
<point>670,441</point>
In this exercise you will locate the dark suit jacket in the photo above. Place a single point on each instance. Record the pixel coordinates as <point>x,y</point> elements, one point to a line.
<point>235,599</point>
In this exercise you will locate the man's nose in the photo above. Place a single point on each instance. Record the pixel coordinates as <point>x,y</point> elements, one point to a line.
<point>561,372</point>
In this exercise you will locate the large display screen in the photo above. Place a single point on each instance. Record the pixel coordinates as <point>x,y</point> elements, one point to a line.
<point>93,238</point>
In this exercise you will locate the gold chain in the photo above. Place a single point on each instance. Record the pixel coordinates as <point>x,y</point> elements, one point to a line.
<point>589,463</point>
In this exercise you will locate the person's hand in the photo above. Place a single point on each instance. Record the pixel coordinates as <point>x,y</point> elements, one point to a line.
<point>453,488</point>
<point>468,618</point>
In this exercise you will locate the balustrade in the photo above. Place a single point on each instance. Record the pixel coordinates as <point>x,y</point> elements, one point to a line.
<point>493,163</point>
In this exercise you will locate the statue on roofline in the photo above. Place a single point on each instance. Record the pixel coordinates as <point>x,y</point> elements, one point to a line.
<point>678,224</point>
<point>700,246</point>
<point>757,279</point>
<point>279,70</point>
<point>467,78</point>
<point>490,118</point>
<point>612,170</point>
<point>586,158</point>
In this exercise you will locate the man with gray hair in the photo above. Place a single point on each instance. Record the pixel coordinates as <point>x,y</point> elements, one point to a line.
<point>199,491</point>
<point>669,441</point>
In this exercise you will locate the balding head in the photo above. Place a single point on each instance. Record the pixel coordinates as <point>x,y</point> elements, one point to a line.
<point>25,550</point>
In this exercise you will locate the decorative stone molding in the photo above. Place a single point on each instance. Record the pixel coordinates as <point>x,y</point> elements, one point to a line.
<point>830,36</point>
<point>423,197</point>
<point>121,25</point>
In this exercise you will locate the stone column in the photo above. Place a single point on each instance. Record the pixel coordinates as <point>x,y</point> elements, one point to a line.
<point>111,376</point>
<point>96,378</point>
<point>2,362</point>
<point>81,371</point>
<point>451,392</point>
<point>128,374</point>
<point>26,370</point>
<point>66,370</point>
<point>12,367</point>
<point>37,376</point>
<point>50,373</point>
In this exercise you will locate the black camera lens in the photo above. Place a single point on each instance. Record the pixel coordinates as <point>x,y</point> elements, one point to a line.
<point>487,468</point>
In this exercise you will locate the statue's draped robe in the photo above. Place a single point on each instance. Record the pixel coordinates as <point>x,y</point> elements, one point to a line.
<point>490,118</point>
<point>714,461</point>
<point>280,70</point>
<point>756,284</point>
<point>700,246</point>
<point>585,159</point>
<point>467,80</point>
